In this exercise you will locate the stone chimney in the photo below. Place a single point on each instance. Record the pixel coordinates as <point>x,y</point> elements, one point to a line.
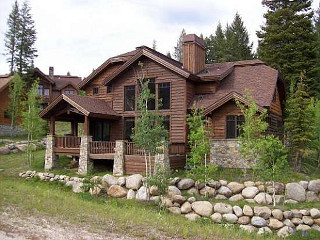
<point>193,53</point>
<point>51,71</point>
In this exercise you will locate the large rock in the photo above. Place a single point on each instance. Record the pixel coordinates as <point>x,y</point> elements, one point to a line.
<point>278,187</point>
<point>208,191</point>
<point>220,197</point>
<point>303,227</point>
<point>312,197</point>
<point>263,212</point>
<point>192,191</point>
<point>250,192</point>
<point>288,223</point>
<point>175,210</point>
<point>203,208</point>
<point>307,220</point>
<point>295,192</point>
<point>258,221</point>
<point>77,187</point>
<point>216,217</point>
<point>142,194</point>
<point>230,218</point>
<point>288,214</point>
<point>315,213</point>
<point>178,199</point>
<point>304,184</point>
<point>131,194</point>
<point>235,187</point>
<point>109,180</point>
<point>167,202</point>
<point>173,190</point>
<point>225,191</point>
<point>154,191</point>
<point>185,184</point>
<point>121,181</point>
<point>214,184</point>
<point>314,186</point>
<point>244,220</point>
<point>237,211</point>
<point>296,221</point>
<point>4,150</point>
<point>192,216</point>
<point>134,182</point>
<point>277,214</point>
<point>247,211</point>
<point>285,232</point>
<point>186,208</point>
<point>296,213</point>
<point>264,230</point>
<point>117,191</point>
<point>248,228</point>
<point>263,198</point>
<point>222,208</point>
<point>275,224</point>
<point>235,198</point>
<point>95,190</point>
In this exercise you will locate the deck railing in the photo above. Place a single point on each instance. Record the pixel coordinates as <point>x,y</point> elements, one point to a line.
<point>101,147</point>
<point>133,149</point>
<point>67,142</point>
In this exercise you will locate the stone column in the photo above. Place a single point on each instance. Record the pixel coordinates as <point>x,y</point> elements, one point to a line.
<point>118,163</point>
<point>85,164</point>
<point>50,157</point>
<point>162,158</point>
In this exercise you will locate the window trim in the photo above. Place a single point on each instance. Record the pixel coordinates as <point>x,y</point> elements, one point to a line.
<point>157,96</point>
<point>124,98</point>
<point>95,90</point>
<point>236,125</point>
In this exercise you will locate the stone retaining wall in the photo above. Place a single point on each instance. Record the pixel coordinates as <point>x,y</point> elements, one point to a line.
<point>262,219</point>
<point>6,130</point>
<point>20,146</point>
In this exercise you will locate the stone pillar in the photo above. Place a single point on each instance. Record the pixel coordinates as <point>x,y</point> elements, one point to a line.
<point>85,164</point>
<point>50,157</point>
<point>162,158</point>
<point>118,163</point>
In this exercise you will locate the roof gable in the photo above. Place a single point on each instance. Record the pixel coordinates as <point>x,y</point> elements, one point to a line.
<point>5,81</point>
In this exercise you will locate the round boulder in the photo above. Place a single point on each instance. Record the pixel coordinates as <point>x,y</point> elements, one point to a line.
<point>247,210</point>
<point>134,181</point>
<point>223,208</point>
<point>263,212</point>
<point>203,208</point>
<point>230,218</point>
<point>244,220</point>
<point>225,191</point>
<point>185,184</point>
<point>117,191</point>
<point>216,217</point>
<point>250,192</point>
<point>173,190</point>
<point>275,224</point>
<point>314,186</point>
<point>186,208</point>
<point>258,221</point>
<point>263,198</point>
<point>235,187</point>
<point>295,192</point>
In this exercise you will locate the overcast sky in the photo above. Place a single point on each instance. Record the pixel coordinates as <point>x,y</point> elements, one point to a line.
<point>79,35</point>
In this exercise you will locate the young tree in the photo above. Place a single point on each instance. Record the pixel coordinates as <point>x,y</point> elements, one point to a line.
<point>178,49</point>
<point>15,95</point>
<point>287,41</point>
<point>149,132</point>
<point>298,125</point>
<point>26,38</point>
<point>199,143</point>
<point>31,120</point>
<point>11,36</point>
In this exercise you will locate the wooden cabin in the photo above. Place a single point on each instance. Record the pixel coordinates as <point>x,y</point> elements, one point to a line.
<point>109,108</point>
<point>5,81</point>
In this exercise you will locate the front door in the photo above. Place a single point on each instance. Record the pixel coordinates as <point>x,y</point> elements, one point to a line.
<point>100,130</point>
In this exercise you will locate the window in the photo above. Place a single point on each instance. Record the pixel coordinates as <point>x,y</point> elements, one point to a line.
<point>40,90</point>
<point>164,95</point>
<point>128,128</point>
<point>152,89</point>
<point>100,130</point>
<point>109,88</point>
<point>233,123</point>
<point>69,92</point>
<point>46,92</point>
<point>95,91</point>
<point>129,98</point>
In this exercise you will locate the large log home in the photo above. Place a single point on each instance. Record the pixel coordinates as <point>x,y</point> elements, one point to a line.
<point>109,108</point>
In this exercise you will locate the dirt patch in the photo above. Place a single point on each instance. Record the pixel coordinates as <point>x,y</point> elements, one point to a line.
<point>14,225</point>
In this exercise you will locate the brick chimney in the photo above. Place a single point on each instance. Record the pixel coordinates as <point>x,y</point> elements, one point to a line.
<point>51,71</point>
<point>193,53</point>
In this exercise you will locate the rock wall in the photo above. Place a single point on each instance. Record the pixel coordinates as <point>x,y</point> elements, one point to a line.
<point>6,130</point>
<point>20,146</point>
<point>225,153</point>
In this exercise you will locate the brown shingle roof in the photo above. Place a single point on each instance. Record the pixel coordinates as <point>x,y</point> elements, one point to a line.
<point>4,81</point>
<point>258,77</point>
<point>62,81</point>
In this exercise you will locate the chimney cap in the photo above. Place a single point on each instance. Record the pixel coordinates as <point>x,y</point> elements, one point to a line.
<point>195,39</point>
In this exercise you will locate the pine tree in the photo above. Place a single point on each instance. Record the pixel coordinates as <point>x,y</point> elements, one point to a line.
<point>299,126</point>
<point>26,38</point>
<point>11,36</point>
<point>287,40</point>
<point>178,49</point>
<point>215,46</point>
<point>15,95</point>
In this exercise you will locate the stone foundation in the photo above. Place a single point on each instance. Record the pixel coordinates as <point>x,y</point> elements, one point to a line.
<point>118,164</point>
<point>225,153</point>
<point>85,164</point>
<point>50,158</point>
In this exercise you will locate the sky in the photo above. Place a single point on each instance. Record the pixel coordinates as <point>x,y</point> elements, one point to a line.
<point>77,36</point>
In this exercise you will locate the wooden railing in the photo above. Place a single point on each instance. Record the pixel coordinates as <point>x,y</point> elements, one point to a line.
<point>177,149</point>
<point>101,147</point>
<point>132,149</point>
<point>67,142</point>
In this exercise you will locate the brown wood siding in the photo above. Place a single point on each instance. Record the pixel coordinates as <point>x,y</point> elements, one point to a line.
<point>177,162</point>
<point>276,105</point>
<point>205,88</point>
<point>4,104</point>
<point>136,164</point>
<point>190,92</point>
<point>219,119</point>
<point>275,125</point>
<point>193,57</point>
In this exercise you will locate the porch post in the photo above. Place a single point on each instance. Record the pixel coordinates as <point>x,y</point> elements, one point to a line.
<point>52,125</point>
<point>85,164</point>
<point>118,163</point>
<point>50,158</point>
<point>162,158</point>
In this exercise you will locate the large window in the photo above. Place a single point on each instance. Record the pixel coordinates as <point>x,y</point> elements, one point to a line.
<point>164,95</point>
<point>46,92</point>
<point>128,128</point>
<point>100,130</point>
<point>233,123</point>
<point>129,98</point>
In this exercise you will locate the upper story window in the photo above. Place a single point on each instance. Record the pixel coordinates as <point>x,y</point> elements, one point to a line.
<point>46,92</point>
<point>109,88</point>
<point>95,91</point>
<point>129,98</point>
<point>69,92</point>
<point>164,95</point>
<point>40,90</point>
<point>233,124</point>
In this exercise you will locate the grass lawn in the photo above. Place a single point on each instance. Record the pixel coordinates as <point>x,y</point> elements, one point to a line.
<point>126,217</point>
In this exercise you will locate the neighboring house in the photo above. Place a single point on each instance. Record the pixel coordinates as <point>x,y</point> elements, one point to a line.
<point>4,99</point>
<point>109,108</point>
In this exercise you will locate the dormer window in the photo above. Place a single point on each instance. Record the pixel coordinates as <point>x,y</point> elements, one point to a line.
<point>95,91</point>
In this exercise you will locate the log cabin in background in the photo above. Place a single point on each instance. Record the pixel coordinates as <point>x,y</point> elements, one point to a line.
<point>108,110</point>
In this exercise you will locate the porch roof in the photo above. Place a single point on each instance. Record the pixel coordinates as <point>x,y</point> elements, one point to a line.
<point>83,105</point>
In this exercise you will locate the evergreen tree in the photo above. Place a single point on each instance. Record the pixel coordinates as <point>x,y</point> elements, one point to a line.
<point>178,49</point>
<point>215,46</point>
<point>11,36</point>
<point>287,40</point>
<point>299,125</point>
<point>15,95</point>
<point>26,38</point>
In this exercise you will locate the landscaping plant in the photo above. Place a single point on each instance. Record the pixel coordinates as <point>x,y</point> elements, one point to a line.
<point>15,95</point>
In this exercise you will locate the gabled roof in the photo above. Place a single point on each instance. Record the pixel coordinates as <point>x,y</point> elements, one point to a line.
<point>5,81</point>
<point>259,78</point>
<point>43,76</point>
<point>85,105</point>
<point>61,81</point>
